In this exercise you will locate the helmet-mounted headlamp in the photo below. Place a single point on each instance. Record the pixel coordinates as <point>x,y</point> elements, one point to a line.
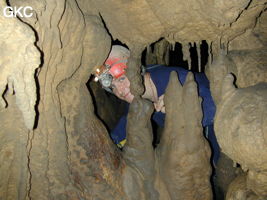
<point>111,69</point>
<point>103,76</point>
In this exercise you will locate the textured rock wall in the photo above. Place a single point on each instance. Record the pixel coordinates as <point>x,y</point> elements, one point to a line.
<point>244,132</point>
<point>238,190</point>
<point>62,32</point>
<point>243,111</point>
<point>250,66</point>
<point>94,161</point>
<point>14,171</point>
<point>250,136</point>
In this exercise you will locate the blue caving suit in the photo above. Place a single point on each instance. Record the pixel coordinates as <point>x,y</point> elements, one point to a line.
<point>160,76</point>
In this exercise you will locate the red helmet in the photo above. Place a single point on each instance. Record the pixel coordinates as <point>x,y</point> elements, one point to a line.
<point>114,66</point>
<point>117,66</point>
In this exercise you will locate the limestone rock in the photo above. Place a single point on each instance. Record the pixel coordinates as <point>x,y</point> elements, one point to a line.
<point>19,59</point>
<point>183,151</point>
<point>138,152</point>
<point>240,127</point>
<point>14,145</point>
<point>238,190</point>
<point>239,122</point>
<point>250,66</point>
<point>257,182</point>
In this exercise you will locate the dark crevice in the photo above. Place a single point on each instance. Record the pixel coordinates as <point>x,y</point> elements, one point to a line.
<point>176,57</point>
<point>37,114</point>
<point>8,2</point>
<point>105,26</point>
<point>107,107</point>
<point>239,15</point>
<point>29,148</point>
<point>3,96</point>
<point>118,42</point>
<point>36,78</point>
<point>113,42</point>
<point>143,57</point>
<point>194,57</point>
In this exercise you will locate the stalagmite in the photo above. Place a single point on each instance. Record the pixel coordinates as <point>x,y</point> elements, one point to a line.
<point>138,152</point>
<point>216,74</point>
<point>183,151</point>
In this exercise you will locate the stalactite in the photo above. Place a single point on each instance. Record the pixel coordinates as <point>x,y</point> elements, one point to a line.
<point>198,55</point>
<point>171,40</point>
<point>189,57</point>
<point>167,55</point>
<point>186,53</point>
<point>170,46</point>
<point>148,50</point>
<point>173,46</point>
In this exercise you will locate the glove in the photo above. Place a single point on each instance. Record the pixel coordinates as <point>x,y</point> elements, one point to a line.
<point>159,105</point>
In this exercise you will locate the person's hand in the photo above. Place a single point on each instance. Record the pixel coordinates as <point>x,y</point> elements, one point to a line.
<point>159,105</point>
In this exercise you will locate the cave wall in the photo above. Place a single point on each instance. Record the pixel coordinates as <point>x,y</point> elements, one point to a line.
<point>46,61</point>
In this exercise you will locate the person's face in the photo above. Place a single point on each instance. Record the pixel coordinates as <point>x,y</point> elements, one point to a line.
<point>121,88</point>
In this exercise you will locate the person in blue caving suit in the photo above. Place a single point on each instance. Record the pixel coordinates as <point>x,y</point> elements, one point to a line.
<point>112,78</point>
